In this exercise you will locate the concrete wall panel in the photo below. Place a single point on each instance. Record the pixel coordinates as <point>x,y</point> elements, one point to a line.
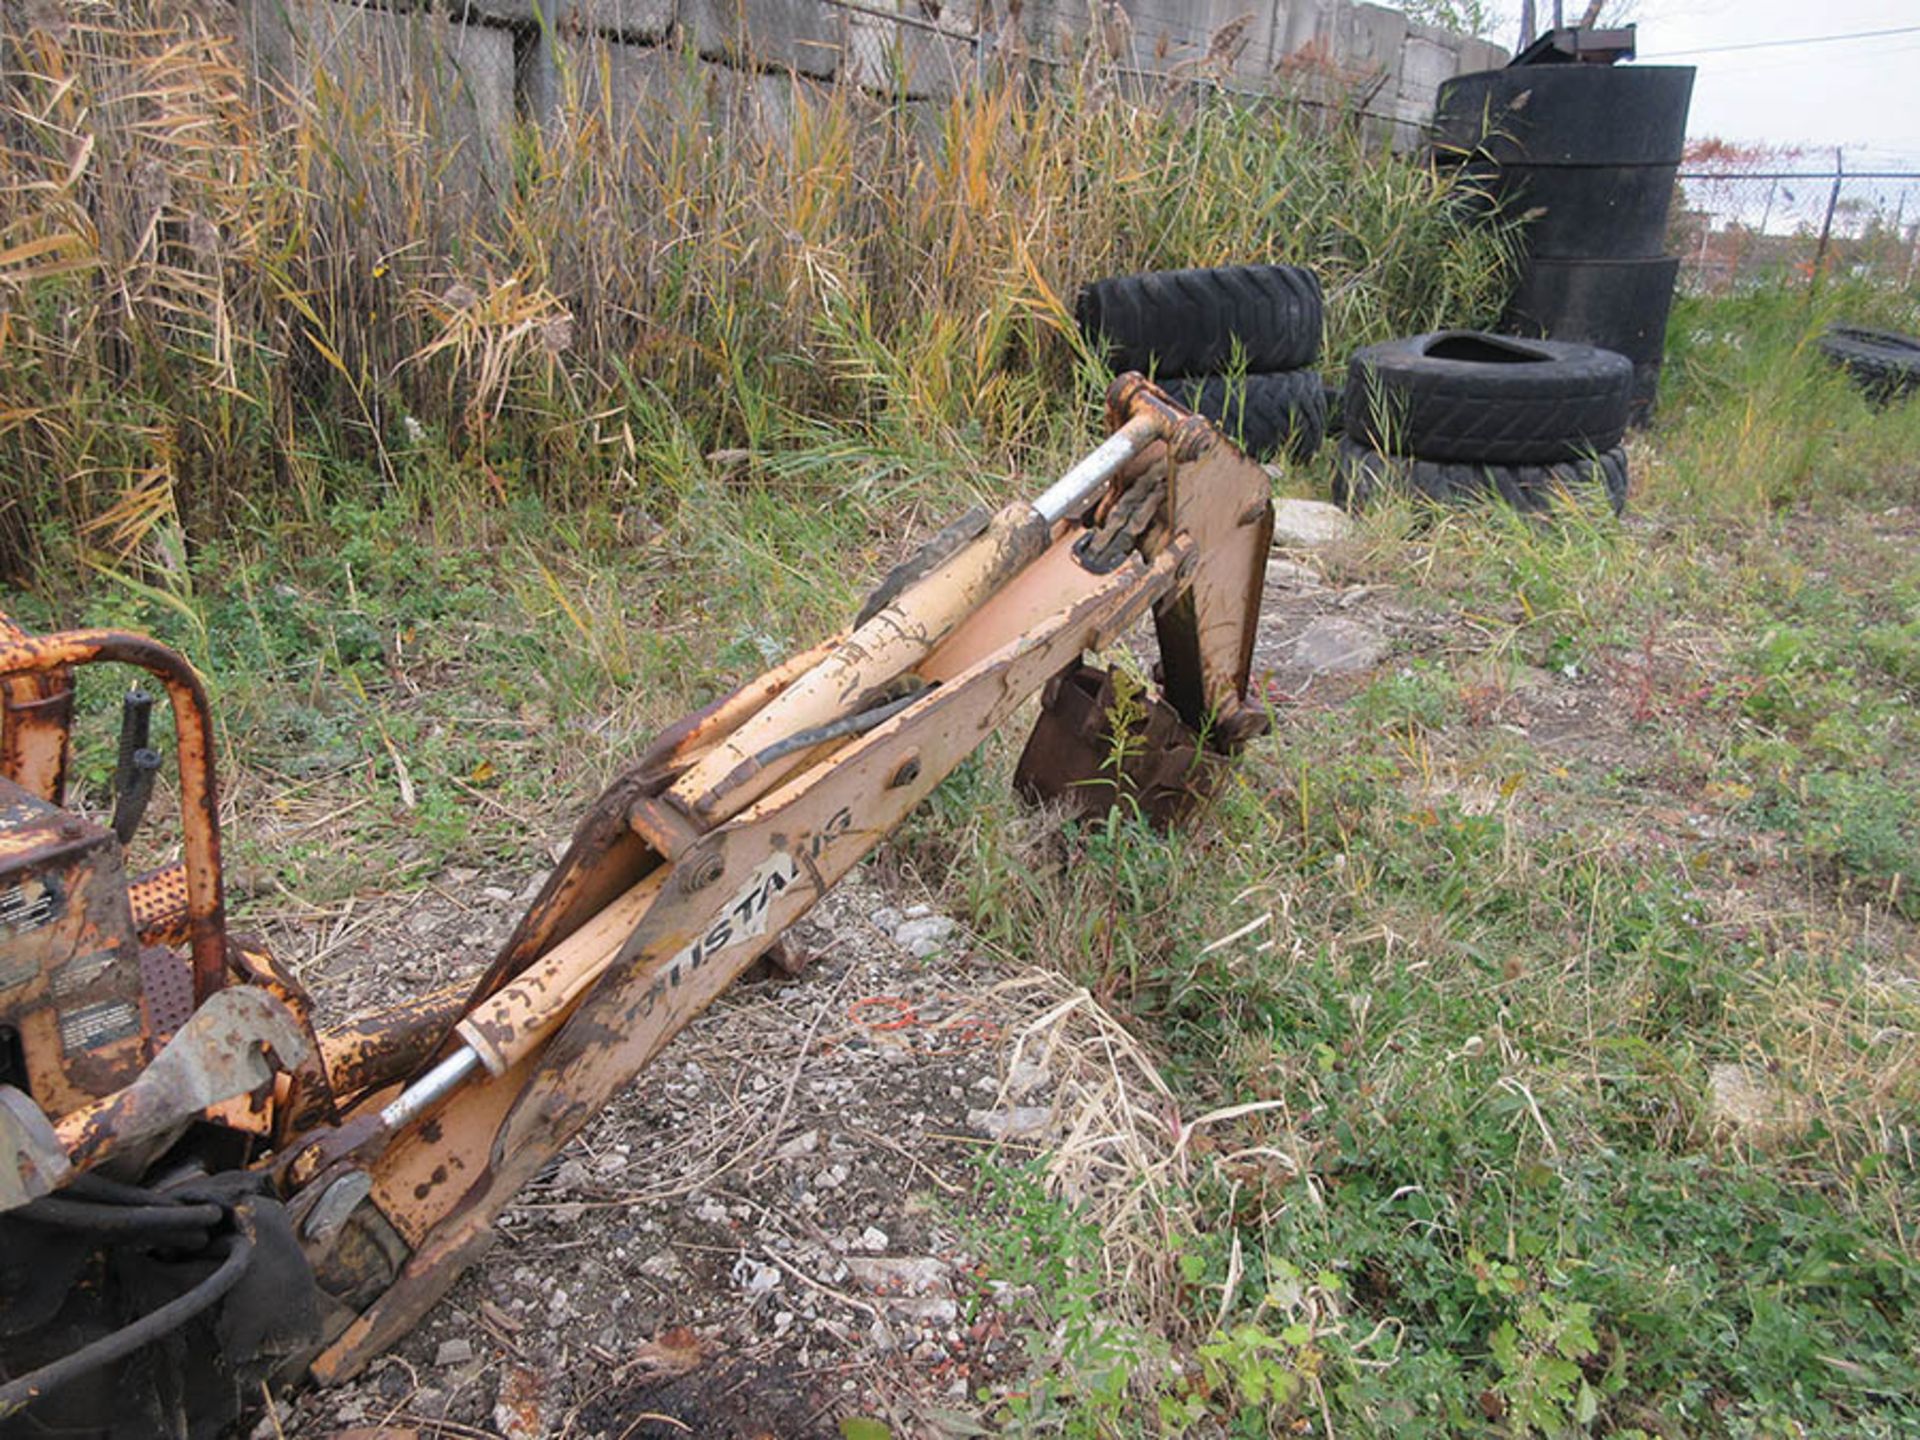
<point>892,59</point>
<point>1307,27</point>
<point>800,35</point>
<point>632,20</point>
<point>632,86</point>
<point>1187,37</point>
<point>454,81</point>
<point>1424,64</point>
<point>1369,39</point>
<point>1480,55</point>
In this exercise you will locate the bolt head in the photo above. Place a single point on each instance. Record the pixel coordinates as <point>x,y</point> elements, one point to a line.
<point>702,870</point>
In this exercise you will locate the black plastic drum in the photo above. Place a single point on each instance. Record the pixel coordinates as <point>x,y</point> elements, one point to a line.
<point>1579,212</point>
<point>1566,115</point>
<point>1619,305</point>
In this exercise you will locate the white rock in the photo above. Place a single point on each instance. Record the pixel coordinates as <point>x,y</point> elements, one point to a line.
<point>873,1238</point>
<point>1305,524</point>
<point>1295,577</point>
<point>755,1278</point>
<point>805,1143</point>
<point>900,1275</point>
<point>661,1266</point>
<point>1015,1124</point>
<point>1025,1078</point>
<point>925,935</point>
<point>458,1351</point>
<point>924,1310</point>
<point>1749,1105</point>
<point>1335,646</point>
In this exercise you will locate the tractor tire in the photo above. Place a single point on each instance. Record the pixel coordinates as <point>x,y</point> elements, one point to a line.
<point>1173,323</point>
<point>1487,399</point>
<point>1882,363</point>
<point>1362,475</point>
<point>1265,415</point>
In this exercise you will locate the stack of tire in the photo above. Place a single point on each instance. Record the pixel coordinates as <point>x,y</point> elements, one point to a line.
<point>1588,153</point>
<point>1460,415</point>
<point>1235,343</point>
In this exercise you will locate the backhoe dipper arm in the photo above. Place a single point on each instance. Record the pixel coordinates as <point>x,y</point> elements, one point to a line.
<point>740,820</point>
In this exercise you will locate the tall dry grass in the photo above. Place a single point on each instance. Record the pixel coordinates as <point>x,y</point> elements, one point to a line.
<point>218,308</point>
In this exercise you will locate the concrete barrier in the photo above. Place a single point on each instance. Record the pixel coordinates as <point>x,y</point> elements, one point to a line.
<point>631,87</point>
<point>463,69</point>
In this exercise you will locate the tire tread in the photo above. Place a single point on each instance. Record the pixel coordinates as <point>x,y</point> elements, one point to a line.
<point>1400,400</point>
<point>1180,323</point>
<point>1279,413</point>
<point>1362,474</point>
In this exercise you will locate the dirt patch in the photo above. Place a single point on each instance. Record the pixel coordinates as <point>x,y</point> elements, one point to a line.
<point>1319,642</point>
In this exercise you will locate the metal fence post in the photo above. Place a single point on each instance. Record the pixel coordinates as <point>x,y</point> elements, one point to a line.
<point>1826,224</point>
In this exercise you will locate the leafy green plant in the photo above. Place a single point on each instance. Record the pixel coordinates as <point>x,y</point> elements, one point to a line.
<point>1538,1355</point>
<point>1083,1365</point>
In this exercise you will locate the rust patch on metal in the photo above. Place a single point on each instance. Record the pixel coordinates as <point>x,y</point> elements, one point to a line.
<point>379,1050</point>
<point>159,901</point>
<point>36,717</point>
<point>24,655</point>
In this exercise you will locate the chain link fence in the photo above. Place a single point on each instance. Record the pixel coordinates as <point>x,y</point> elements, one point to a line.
<point>1735,225</point>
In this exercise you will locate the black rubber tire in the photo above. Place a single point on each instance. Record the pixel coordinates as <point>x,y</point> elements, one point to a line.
<point>1362,474</point>
<point>1487,399</point>
<point>1883,363</point>
<point>1265,415</point>
<point>1566,114</point>
<point>1173,323</point>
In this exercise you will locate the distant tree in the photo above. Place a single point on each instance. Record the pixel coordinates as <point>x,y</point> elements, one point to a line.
<point>1463,17</point>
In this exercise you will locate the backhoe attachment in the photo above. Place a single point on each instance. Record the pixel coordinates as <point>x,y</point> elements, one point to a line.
<point>385,1149</point>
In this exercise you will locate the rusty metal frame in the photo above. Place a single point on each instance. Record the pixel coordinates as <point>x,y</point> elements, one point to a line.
<point>41,655</point>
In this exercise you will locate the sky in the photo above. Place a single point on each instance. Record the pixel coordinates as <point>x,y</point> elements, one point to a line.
<point>1862,95</point>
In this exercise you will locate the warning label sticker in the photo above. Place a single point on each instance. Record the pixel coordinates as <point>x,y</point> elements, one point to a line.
<point>92,1026</point>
